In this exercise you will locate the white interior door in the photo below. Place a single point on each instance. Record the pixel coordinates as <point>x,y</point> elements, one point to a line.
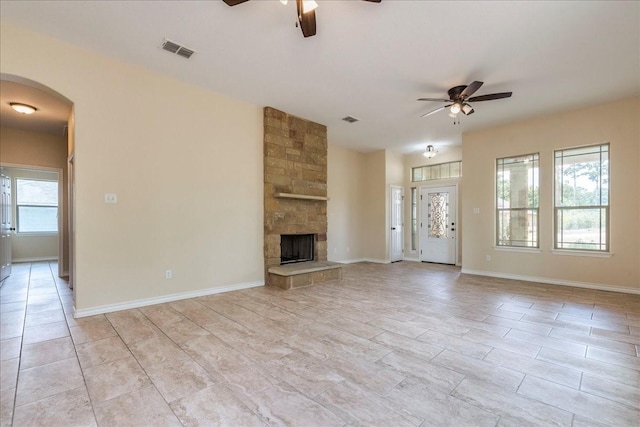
<point>438,224</point>
<point>396,250</point>
<point>5,224</point>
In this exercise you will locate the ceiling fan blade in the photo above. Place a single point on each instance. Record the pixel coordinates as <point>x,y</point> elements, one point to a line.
<point>490,96</point>
<point>434,99</point>
<point>471,89</point>
<point>435,111</point>
<point>234,2</point>
<point>307,20</point>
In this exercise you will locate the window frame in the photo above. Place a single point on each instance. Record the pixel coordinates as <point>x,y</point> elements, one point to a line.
<point>414,219</point>
<point>606,252</point>
<point>535,246</point>
<point>17,205</point>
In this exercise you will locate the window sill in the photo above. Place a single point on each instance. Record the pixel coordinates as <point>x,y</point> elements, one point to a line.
<point>517,249</point>
<point>570,252</point>
<point>36,234</point>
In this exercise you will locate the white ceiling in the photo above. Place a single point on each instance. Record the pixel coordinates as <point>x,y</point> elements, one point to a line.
<point>371,61</point>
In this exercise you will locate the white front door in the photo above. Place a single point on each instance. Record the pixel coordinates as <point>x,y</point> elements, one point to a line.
<point>438,224</point>
<point>5,224</point>
<point>396,252</point>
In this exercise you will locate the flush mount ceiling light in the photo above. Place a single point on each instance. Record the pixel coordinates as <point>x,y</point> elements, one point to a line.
<point>430,152</point>
<point>23,108</point>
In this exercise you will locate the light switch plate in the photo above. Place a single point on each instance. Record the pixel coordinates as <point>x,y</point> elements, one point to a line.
<point>110,198</point>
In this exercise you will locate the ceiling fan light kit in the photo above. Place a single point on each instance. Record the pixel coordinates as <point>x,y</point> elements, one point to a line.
<point>306,13</point>
<point>459,98</point>
<point>309,5</point>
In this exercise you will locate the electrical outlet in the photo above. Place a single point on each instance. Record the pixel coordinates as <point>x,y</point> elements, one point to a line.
<point>168,274</point>
<point>487,258</point>
<point>110,198</point>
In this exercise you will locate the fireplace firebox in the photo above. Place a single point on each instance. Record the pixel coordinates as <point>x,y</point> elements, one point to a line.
<point>296,248</point>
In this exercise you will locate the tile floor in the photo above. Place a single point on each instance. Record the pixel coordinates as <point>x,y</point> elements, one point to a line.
<point>389,345</point>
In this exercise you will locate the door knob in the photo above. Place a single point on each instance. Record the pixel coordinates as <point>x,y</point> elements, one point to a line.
<point>12,229</point>
<point>393,228</point>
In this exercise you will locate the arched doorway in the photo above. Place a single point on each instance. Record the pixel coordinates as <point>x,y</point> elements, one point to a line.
<point>34,145</point>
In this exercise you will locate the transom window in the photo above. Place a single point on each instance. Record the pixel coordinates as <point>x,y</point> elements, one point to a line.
<point>439,171</point>
<point>36,206</point>
<point>517,187</point>
<point>582,198</point>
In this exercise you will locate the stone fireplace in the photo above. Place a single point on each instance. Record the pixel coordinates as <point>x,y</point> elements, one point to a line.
<point>295,200</point>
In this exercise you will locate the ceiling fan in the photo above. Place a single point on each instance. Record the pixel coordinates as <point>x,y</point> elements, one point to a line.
<point>460,96</point>
<point>306,13</point>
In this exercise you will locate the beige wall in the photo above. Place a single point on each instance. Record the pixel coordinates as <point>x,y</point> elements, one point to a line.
<point>185,163</point>
<point>616,123</point>
<point>345,208</point>
<point>374,207</point>
<point>359,211</point>
<point>26,148</point>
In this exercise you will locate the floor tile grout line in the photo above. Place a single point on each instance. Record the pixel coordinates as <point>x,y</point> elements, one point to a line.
<point>186,353</point>
<point>75,351</point>
<point>24,321</point>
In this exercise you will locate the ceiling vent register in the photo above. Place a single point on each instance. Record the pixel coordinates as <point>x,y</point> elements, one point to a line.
<point>179,50</point>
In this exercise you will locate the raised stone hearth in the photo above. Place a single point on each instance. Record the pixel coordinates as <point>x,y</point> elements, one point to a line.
<point>304,274</point>
<point>295,196</point>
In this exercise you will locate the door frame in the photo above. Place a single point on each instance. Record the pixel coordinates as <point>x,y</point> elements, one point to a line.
<point>391,188</point>
<point>6,208</point>
<point>457,212</point>
<point>61,207</point>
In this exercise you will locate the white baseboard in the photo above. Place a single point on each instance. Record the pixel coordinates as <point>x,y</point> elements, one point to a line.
<point>411,259</point>
<point>378,261</point>
<point>351,261</point>
<point>34,259</point>
<point>159,300</point>
<point>551,281</point>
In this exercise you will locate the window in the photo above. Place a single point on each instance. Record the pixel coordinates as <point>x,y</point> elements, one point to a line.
<point>440,171</point>
<point>414,219</point>
<point>582,198</point>
<point>37,206</point>
<point>517,185</point>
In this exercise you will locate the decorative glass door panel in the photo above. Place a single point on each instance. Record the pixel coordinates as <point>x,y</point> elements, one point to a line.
<point>438,207</point>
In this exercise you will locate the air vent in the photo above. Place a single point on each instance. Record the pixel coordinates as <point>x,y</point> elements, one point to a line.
<point>179,50</point>
<point>350,119</point>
